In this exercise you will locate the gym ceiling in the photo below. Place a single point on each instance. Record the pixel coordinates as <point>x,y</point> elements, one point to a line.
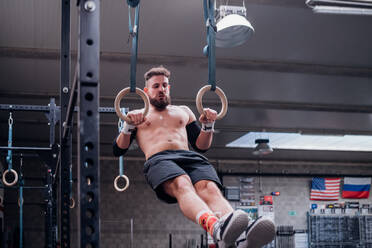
<point>300,72</point>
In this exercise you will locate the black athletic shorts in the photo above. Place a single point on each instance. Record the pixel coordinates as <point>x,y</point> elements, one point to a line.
<point>169,164</point>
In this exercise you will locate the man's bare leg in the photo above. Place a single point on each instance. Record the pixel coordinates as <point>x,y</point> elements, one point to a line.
<point>212,196</point>
<point>257,234</point>
<point>189,202</point>
<point>209,192</point>
<point>224,231</point>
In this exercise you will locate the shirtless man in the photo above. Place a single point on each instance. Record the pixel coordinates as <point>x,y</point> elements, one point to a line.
<point>179,175</point>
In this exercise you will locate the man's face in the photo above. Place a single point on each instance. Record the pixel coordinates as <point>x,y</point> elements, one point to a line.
<point>158,91</point>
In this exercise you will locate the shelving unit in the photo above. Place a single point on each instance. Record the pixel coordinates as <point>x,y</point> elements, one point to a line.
<point>341,231</point>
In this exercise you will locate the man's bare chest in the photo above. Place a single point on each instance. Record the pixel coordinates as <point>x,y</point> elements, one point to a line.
<point>168,119</point>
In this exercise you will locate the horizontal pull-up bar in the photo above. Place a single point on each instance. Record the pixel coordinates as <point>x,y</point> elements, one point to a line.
<point>26,148</point>
<point>42,108</point>
<point>24,187</point>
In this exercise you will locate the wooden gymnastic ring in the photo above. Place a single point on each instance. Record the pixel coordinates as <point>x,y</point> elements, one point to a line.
<point>220,93</point>
<point>120,96</point>
<point>116,183</point>
<point>15,177</point>
<point>72,202</point>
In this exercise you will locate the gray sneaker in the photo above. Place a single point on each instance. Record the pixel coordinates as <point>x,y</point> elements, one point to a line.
<point>228,229</point>
<point>258,234</point>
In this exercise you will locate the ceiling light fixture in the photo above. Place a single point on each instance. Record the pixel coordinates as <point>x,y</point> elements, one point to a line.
<point>262,147</point>
<point>348,7</point>
<point>341,10</point>
<point>233,28</point>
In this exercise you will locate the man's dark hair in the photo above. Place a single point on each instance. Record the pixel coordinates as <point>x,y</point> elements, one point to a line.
<point>155,71</point>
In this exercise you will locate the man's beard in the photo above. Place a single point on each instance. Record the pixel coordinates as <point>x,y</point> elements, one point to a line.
<point>160,104</point>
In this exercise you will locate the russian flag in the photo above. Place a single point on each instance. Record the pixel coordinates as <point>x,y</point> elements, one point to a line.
<point>356,187</point>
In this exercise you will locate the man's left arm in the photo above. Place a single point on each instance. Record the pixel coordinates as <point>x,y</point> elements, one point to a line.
<point>207,119</point>
<point>201,138</point>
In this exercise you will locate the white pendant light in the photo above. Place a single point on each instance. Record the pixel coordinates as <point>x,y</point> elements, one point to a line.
<point>233,28</point>
<point>262,147</point>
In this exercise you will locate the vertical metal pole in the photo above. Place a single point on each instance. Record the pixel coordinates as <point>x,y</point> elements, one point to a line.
<point>21,203</point>
<point>66,144</point>
<point>131,232</point>
<point>21,214</point>
<point>50,231</point>
<point>88,124</point>
<point>52,121</point>
<point>309,229</point>
<point>206,239</point>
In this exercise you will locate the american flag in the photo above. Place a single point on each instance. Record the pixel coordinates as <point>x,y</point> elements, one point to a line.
<point>325,189</point>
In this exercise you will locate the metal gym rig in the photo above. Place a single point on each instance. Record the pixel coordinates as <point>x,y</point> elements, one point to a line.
<point>58,157</point>
<point>84,89</point>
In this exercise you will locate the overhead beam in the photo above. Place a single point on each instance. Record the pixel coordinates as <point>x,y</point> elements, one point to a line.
<point>286,3</point>
<point>232,64</point>
<point>248,104</point>
<point>229,128</point>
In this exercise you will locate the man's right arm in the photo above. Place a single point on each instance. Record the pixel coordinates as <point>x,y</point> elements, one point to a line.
<point>122,142</point>
<point>128,133</point>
